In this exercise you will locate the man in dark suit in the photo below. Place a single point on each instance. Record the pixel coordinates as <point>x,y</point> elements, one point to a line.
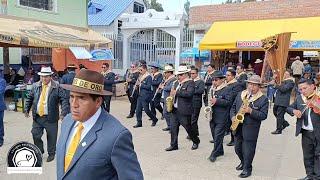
<point>234,88</point>
<point>246,135</point>
<point>166,89</point>
<point>282,101</point>
<point>44,98</point>
<point>143,88</point>
<point>241,76</point>
<point>131,78</point>
<point>68,78</point>
<point>182,93</point>
<point>2,106</point>
<point>308,124</point>
<point>93,144</point>
<point>156,81</point>
<point>109,78</point>
<point>219,102</point>
<point>208,82</point>
<point>197,99</point>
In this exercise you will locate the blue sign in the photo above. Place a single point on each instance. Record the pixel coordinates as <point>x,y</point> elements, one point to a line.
<point>305,44</point>
<point>101,54</point>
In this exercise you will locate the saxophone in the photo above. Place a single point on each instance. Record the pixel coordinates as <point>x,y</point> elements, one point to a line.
<point>239,118</point>
<point>208,109</point>
<point>169,101</point>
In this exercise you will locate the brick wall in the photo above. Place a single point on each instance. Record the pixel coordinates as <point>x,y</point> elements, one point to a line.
<point>201,17</point>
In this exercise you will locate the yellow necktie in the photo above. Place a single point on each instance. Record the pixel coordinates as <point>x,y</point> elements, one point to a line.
<point>42,99</point>
<point>73,147</point>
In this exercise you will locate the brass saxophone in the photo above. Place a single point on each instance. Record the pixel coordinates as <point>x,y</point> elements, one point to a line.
<point>169,102</point>
<point>208,109</point>
<point>239,118</point>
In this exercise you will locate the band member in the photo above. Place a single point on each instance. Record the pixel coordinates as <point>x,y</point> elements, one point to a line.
<point>109,78</point>
<point>156,80</point>
<point>143,88</point>
<point>208,82</point>
<point>219,102</point>
<point>197,99</point>
<point>234,88</point>
<point>166,88</point>
<point>282,101</point>
<point>246,135</point>
<point>306,109</point>
<point>182,93</point>
<point>241,76</point>
<point>131,78</point>
<point>68,78</point>
<point>44,100</point>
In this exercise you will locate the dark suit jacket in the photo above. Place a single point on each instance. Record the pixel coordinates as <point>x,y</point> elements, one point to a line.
<point>156,82</point>
<point>109,81</point>
<point>134,77</point>
<point>283,93</point>
<point>220,110</point>
<point>252,122</point>
<point>56,95</point>
<point>107,154</point>
<point>299,104</point>
<point>184,97</point>
<point>208,81</point>
<point>198,92</point>
<point>242,81</point>
<point>145,91</point>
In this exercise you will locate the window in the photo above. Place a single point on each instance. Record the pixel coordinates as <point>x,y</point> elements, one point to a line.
<point>38,4</point>
<point>138,8</point>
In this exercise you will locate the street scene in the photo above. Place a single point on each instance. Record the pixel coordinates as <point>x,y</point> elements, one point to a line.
<point>160,89</point>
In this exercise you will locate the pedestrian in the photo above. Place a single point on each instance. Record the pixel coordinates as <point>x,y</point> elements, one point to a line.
<point>165,88</point>
<point>246,134</point>
<point>220,102</point>
<point>258,64</point>
<point>282,101</point>
<point>306,109</point>
<point>157,78</point>
<point>182,93</point>
<point>2,106</point>
<point>68,78</point>
<point>93,144</point>
<point>44,98</point>
<point>197,99</point>
<point>131,78</point>
<point>109,78</point>
<point>143,88</point>
<point>297,68</point>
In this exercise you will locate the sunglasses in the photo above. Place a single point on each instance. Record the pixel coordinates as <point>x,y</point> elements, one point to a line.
<point>193,73</point>
<point>103,67</point>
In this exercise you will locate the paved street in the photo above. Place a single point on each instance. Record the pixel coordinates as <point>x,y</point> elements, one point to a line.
<point>277,157</point>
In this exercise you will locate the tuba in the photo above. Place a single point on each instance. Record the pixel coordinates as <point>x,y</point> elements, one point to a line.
<point>208,109</point>
<point>239,118</point>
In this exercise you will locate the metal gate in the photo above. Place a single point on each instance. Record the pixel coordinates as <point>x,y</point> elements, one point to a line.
<point>117,49</point>
<point>152,45</point>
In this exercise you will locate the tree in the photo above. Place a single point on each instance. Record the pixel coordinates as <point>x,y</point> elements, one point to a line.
<point>187,10</point>
<point>153,4</point>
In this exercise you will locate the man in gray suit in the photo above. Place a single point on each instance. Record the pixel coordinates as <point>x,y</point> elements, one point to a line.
<point>93,144</point>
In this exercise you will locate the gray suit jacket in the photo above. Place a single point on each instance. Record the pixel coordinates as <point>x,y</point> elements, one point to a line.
<point>106,152</point>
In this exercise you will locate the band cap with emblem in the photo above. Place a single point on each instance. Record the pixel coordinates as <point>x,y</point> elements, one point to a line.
<point>88,82</point>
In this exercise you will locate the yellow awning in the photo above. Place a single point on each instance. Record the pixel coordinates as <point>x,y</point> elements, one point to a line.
<point>246,35</point>
<point>19,32</point>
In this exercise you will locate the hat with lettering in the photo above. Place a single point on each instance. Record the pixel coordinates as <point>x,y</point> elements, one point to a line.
<point>88,82</point>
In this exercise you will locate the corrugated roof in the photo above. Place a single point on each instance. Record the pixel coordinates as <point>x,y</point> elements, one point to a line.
<point>109,12</point>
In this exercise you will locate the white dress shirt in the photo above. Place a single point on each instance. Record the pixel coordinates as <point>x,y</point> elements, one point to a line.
<point>87,125</point>
<point>310,126</point>
<point>176,103</point>
<point>45,100</point>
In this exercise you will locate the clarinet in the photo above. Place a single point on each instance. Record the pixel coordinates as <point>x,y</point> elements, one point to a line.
<point>157,91</point>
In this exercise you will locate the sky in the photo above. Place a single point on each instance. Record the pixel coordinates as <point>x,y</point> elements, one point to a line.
<point>174,5</point>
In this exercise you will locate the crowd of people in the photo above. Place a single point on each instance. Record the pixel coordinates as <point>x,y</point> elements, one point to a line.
<point>234,103</point>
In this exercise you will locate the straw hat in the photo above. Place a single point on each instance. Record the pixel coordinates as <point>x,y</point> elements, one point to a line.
<point>45,71</point>
<point>182,70</point>
<point>168,68</point>
<point>258,61</point>
<point>255,79</point>
<point>88,82</point>
<point>72,66</point>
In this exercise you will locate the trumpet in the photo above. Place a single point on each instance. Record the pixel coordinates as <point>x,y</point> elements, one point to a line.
<point>239,118</point>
